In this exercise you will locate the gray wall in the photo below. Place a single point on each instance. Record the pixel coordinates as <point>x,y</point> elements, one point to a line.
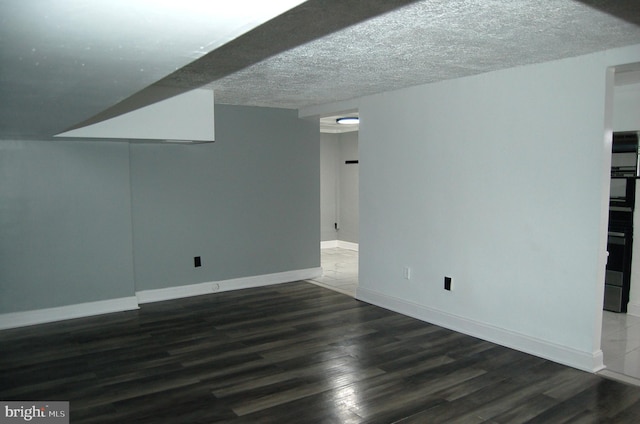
<point>626,108</point>
<point>248,204</point>
<point>65,223</point>
<point>329,178</point>
<point>348,212</point>
<point>339,186</point>
<point>70,215</point>
<point>499,180</point>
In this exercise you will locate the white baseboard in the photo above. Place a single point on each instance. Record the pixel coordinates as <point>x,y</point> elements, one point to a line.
<point>348,245</point>
<point>41,316</point>
<point>633,308</point>
<point>81,310</point>
<point>586,361</point>
<point>339,243</point>
<point>169,293</point>
<point>619,377</point>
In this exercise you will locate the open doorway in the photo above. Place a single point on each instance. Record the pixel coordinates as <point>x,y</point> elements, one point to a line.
<point>339,203</point>
<point>620,337</point>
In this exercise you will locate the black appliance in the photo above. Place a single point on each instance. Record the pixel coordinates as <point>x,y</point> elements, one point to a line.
<point>624,173</point>
<point>618,272</point>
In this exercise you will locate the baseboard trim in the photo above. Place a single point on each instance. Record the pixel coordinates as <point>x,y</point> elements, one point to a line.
<point>339,243</point>
<point>348,245</point>
<point>80,310</point>
<point>178,292</point>
<point>612,375</point>
<point>591,362</point>
<point>633,308</point>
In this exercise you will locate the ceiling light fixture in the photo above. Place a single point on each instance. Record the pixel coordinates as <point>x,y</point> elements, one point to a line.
<point>348,120</point>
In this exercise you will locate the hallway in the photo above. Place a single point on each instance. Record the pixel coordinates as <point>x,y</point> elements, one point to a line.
<point>339,270</point>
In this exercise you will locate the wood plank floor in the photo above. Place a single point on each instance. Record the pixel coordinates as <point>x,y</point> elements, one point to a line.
<point>292,353</point>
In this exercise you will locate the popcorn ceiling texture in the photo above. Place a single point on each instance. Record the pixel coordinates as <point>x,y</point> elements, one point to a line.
<point>428,41</point>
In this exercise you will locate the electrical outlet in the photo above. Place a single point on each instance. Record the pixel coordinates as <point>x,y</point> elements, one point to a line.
<point>407,273</point>
<point>447,283</point>
<point>196,261</point>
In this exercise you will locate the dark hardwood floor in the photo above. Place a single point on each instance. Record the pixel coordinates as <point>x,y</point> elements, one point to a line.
<point>292,353</point>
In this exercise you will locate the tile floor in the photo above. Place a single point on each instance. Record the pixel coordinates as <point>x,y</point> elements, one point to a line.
<point>621,343</point>
<point>339,270</point>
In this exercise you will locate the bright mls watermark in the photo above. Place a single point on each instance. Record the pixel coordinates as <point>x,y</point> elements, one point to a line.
<point>34,412</point>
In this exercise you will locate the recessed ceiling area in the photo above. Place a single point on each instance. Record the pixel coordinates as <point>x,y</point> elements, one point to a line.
<point>328,124</point>
<point>65,62</point>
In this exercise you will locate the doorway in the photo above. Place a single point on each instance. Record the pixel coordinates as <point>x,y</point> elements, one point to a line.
<point>339,203</point>
<point>620,337</point>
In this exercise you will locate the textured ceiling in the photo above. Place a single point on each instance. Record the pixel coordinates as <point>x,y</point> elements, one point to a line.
<point>430,41</point>
<point>321,51</point>
<point>310,21</point>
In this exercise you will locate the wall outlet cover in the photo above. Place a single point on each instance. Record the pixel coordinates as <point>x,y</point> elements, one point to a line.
<point>447,283</point>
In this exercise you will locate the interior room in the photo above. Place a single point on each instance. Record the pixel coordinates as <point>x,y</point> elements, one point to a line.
<point>167,207</point>
<point>620,321</point>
